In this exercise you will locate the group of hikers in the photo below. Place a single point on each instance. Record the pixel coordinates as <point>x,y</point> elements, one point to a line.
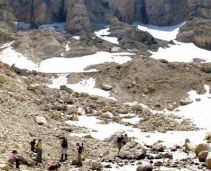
<point>36,147</point>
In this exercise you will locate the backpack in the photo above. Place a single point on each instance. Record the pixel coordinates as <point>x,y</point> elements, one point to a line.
<point>119,139</point>
<point>123,141</point>
<point>80,149</point>
<point>64,144</point>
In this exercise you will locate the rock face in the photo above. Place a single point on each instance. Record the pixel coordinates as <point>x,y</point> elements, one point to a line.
<point>87,14</point>
<point>91,15</point>
<point>197,31</point>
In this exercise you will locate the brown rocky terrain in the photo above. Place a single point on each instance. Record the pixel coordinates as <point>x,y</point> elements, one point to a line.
<point>30,110</point>
<point>40,44</point>
<point>154,82</point>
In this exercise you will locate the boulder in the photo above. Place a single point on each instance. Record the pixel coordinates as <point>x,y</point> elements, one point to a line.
<point>55,115</point>
<point>202,156</point>
<point>106,87</point>
<point>202,147</point>
<point>132,150</point>
<point>137,108</point>
<point>67,99</point>
<point>88,136</point>
<point>144,167</point>
<point>63,87</point>
<point>189,146</point>
<point>41,120</point>
<point>107,115</point>
<point>185,101</point>
<point>157,147</point>
<point>93,97</point>
<point>74,118</point>
<point>4,167</point>
<point>96,165</point>
<point>168,155</point>
<point>115,49</point>
<point>208,161</point>
<point>2,78</point>
<point>33,87</point>
<point>122,110</point>
<point>72,110</point>
<point>74,162</point>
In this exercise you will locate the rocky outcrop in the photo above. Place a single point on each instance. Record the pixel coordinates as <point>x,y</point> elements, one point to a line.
<point>40,44</point>
<point>197,31</point>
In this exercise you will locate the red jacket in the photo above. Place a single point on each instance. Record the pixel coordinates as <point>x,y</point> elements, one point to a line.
<point>52,166</point>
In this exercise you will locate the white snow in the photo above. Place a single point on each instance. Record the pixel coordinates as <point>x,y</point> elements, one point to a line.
<point>103,34</point>
<point>76,37</point>
<point>182,52</point>
<point>86,86</point>
<point>67,47</point>
<point>164,33</point>
<point>199,111</point>
<point>78,64</point>
<point>56,26</point>
<point>10,57</point>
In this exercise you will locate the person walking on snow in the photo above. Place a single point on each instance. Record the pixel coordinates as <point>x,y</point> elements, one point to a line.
<point>39,151</point>
<point>64,146</point>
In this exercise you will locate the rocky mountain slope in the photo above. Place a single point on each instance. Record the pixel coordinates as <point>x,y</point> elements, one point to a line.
<point>154,82</point>
<point>29,110</point>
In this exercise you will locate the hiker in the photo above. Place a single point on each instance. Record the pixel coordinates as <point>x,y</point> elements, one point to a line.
<point>80,149</point>
<point>64,146</point>
<point>38,147</point>
<point>120,140</point>
<point>126,139</point>
<point>32,143</point>
<point>13,157</point>
<point>54,166</point>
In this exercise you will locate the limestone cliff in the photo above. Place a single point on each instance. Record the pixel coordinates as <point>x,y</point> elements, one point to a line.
<point>91,14</point>
<point>88,14</point>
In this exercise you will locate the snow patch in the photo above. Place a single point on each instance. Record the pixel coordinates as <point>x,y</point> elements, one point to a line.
<point>103,34</point>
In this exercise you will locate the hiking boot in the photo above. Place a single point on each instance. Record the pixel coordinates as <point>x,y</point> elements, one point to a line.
<point>61,158</point>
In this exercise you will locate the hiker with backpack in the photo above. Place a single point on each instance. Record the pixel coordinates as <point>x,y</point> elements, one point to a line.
<point>126,139</point>
<point>38,147</point>
<point>54,166</point>
<point>120,142</point>
<point>32,143</point>
<point>64,146</point>
<point>80,149</point>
